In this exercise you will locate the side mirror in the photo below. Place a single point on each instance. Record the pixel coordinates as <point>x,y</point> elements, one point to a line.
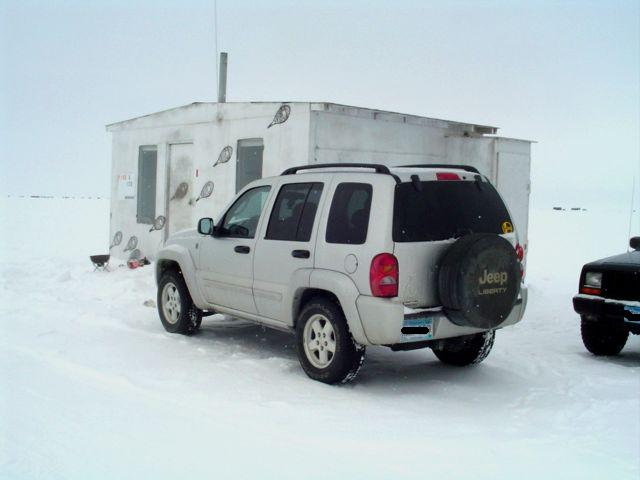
<point>206,226</point>
<point>635,243</point>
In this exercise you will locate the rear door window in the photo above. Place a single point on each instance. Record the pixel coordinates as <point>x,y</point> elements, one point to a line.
<point>349,215</point>
<point>294,212</point>
<point>440,210</point>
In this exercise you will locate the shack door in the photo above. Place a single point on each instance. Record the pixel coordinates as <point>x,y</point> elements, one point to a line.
<point>180,188</point>
<point>513,184</point>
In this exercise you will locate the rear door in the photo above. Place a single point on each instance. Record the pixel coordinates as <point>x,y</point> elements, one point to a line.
<point>285,249</point>
<point>355,225</point>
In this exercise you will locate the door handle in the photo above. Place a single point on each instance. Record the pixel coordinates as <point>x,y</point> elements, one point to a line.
<point>241,249</point>
<point>301,254</point>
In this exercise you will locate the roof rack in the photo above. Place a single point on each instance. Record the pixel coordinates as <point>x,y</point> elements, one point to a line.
<point>466,168</point>
<point>377,167</point>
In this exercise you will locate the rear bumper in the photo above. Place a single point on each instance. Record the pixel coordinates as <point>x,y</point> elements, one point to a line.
<point>617,312</point>
<point>388,322</point>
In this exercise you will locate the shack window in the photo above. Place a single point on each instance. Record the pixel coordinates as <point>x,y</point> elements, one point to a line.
<point>147,168</point>
<point>249,164</point>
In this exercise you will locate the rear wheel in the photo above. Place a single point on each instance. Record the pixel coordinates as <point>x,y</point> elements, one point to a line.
<point>326,350</point>
<point>601,339</point>
<point>175,306</point>
<point>467,350</point>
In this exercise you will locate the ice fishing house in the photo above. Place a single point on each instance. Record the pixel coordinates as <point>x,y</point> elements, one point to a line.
<point>172,167</point>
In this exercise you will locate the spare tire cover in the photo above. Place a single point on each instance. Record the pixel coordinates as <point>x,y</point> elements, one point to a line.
<point>479,280</point>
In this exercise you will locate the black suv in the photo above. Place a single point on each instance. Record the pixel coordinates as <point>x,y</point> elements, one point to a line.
<point>609,301</point>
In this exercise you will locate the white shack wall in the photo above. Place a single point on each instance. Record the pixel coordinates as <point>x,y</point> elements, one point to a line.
<point>343,138</point>
<point>476,151</point>
<point>513,180</point>
<point>285,144</point>
<point>338,138</point>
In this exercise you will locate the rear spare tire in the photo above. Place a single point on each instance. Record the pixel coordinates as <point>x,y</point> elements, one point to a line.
<point>479,281</point>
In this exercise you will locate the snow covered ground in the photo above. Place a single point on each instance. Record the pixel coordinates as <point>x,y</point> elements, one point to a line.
<point>92,387</point>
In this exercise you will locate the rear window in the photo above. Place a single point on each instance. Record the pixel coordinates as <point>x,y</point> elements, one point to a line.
<point>439,210</point>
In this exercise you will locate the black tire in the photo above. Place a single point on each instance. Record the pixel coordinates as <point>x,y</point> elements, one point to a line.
<point>601,339</point>
<point>467,350</point>
<point>347,359</point>
<point>479,281</point>
<point>189,318</point>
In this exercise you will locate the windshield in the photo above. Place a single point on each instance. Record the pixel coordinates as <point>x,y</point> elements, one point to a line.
<point>439,210</point>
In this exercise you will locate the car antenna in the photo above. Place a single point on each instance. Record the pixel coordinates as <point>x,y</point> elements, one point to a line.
<point>633,195</point>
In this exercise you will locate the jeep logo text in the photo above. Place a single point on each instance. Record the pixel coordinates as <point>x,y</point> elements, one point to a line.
<point>492,278</point>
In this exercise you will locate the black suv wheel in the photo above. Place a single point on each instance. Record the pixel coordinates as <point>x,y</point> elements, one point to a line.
<point>602,339</point>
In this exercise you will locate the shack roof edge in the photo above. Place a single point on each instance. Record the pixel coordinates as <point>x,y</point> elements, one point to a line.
<point>484,129</point>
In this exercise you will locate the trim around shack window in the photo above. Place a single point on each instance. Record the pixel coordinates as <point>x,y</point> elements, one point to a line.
<point>147,181</point>
<point>249,156</point>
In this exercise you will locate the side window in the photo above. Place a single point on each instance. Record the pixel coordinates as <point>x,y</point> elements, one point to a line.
<point>294,212</point>
<point>147,167</point>
<point>241,220</point>
<point>349,215</point>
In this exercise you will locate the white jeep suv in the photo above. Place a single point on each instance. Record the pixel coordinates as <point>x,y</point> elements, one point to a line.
<point>350,255</point>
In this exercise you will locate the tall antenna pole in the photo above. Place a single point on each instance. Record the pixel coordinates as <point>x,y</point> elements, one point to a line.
<point>222,82</point>
<point>215,39</point>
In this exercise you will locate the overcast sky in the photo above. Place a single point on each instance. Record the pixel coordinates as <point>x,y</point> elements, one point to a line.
<point>565,74</point>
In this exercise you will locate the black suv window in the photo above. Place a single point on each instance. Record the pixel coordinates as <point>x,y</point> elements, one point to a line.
<point>294,212</point>
<point>241,220</point>
<point>349,215</point>
<point>439,210</point>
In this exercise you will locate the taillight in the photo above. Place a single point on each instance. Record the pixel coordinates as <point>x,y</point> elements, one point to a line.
<point>520,255</point>
<point>383,275</point>
<point>447,176</point>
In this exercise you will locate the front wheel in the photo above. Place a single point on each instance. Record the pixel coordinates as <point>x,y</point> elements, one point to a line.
<point>467,350</point>
<point>177,311</point>
<point>601,339</point>
<point>326,350</point>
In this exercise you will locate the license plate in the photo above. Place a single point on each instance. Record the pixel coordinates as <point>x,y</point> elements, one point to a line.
<point>632,310</point>
<point>424,324</point>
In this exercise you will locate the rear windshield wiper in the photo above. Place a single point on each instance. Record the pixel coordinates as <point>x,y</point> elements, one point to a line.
<point>478,181</point>
<point>417,184</point>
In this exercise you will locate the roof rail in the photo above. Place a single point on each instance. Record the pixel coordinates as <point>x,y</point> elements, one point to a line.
<point>377,167</point>
<point>466,168</point>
